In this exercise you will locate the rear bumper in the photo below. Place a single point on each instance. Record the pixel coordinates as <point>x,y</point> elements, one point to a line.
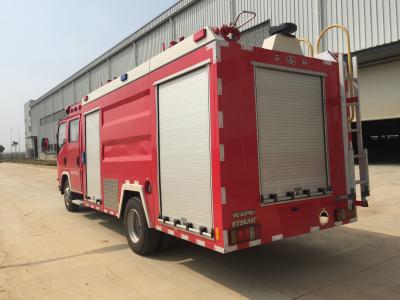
<point>278,237</point>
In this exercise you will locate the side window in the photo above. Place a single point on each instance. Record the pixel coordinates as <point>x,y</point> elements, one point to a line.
<point>61,135</point>
<point>73,131</point>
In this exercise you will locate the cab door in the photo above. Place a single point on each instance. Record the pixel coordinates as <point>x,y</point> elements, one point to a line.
<point>61,148</point>
<point>73,157</point>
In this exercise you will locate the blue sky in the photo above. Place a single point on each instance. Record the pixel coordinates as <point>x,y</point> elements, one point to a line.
<point>43,42</point>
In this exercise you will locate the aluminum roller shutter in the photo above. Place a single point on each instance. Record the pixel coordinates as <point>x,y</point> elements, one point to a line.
<point>184,148</point>
<point>291,132</point>
<point>92,135</point>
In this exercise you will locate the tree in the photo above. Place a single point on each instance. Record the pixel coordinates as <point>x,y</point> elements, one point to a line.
<point>2,148</point>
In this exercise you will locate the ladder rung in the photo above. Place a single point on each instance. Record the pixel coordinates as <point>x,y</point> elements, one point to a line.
<point>353,99</point>
<point>359,156</point>
<point>354,130</point>
<point>360,181</point>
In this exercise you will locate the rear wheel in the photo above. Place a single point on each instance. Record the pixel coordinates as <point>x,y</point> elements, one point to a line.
<point>69,205</point>
<point>142,239</point>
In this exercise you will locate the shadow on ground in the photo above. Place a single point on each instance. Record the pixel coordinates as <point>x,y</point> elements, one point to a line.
<point>345,260</point>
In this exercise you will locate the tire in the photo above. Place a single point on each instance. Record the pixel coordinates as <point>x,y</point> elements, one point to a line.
<point>69,205</point>
<point>142,239</point>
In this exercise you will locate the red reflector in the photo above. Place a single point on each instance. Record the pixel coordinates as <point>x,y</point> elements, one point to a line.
<point>232,237</point>
<point>244,234</point>
<point>199,35</point>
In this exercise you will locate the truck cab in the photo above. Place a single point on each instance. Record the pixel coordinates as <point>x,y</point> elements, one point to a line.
<point>69,153</point>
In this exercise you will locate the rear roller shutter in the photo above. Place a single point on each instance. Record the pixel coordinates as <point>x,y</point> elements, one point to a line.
<point>291,133</point>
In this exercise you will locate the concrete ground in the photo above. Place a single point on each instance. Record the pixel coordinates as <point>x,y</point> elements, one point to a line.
<point>48,253</point>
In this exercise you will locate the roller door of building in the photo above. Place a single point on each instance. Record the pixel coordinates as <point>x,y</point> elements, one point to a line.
<point>291,133</point>
<point>184,148</point>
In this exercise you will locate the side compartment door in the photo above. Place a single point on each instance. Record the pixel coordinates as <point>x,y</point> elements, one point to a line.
<point>184,149</point>
<point>73,157</point>
<point>92,145</point>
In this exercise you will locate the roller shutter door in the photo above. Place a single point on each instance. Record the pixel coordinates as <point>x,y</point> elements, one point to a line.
<point>291,133</point>
<point>184,148</point>
<point>92,134</point>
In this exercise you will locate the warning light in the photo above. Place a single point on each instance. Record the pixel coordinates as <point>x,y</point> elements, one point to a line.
<point>199,35</point>
<point>124,77</point>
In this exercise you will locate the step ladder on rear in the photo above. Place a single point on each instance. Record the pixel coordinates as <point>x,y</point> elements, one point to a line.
<point>349,82</point>
<point>350,104</point>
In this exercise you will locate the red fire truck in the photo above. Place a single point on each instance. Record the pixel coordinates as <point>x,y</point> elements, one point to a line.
<point>219,143</point>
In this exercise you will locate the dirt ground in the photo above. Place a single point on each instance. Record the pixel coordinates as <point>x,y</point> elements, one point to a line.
<point>48,253</point>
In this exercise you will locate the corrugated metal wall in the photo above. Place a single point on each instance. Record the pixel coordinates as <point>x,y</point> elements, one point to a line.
<point>151,44</point>
<point>81,87</point>
<point>121,62</point>
<point>371,23</point>
<point>201,14</point>
<point>99,75</point>
<point>68,94</point>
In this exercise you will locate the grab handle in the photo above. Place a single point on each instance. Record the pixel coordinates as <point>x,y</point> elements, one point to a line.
<point>349,62</point>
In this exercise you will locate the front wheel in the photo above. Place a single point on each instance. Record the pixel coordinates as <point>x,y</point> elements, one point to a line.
<point>69,205</point>
<point>142,239</point>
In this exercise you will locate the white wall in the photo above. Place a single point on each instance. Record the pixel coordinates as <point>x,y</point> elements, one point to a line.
<point>380,91</point>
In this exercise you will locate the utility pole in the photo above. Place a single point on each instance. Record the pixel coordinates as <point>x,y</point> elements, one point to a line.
<point>11,143</point>
<point>19,146</point>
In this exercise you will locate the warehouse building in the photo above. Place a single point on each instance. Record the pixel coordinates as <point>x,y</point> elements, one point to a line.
<point>375,38</point>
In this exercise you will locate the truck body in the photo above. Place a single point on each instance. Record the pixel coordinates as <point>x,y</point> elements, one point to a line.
<point>221,144</point>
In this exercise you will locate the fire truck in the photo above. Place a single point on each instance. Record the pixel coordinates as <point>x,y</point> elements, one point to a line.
<point>219,143</point>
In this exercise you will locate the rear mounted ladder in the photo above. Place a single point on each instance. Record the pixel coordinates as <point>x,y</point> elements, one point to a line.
<point>348,74</point>
<point>349,82</point>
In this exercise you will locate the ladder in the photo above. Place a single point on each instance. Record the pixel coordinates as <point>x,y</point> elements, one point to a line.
<point>361,156</point>
<point>348,75</point>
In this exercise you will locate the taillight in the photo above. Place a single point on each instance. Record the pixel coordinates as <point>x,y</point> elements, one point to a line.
<point>244,234</point>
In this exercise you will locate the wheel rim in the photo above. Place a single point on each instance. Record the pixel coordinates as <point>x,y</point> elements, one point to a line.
<point>134,226</point>
<point>67,193</point>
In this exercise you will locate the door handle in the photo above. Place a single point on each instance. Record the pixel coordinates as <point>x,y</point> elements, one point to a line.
<point>83,157</point>
<point>65,161</point>
<point>77,160</point>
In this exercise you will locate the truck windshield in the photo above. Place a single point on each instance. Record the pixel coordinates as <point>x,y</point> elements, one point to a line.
<point>61,135</point>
